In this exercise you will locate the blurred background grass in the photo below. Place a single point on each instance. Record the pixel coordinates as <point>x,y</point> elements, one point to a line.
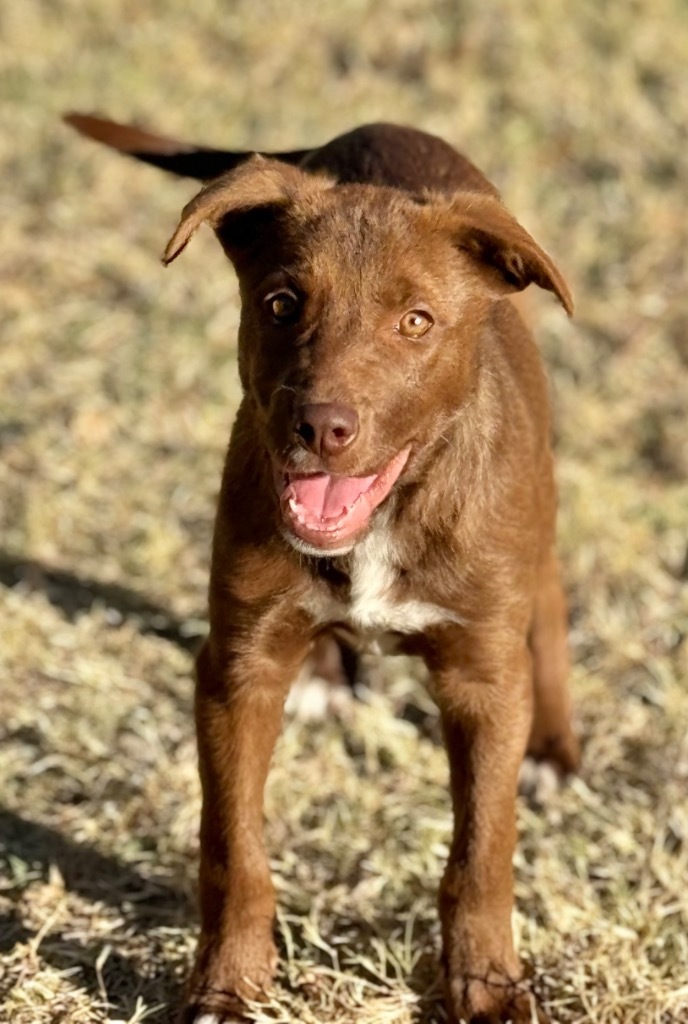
<point>118,386</point>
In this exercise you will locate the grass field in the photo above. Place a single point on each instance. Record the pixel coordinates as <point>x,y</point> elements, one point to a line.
<point>118,386</point>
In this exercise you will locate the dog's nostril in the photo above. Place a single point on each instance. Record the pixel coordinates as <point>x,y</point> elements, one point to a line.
<point>326,427</point>
<point>306,432</point>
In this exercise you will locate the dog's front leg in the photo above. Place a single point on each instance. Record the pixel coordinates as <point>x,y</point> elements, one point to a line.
<point>485,705</point>
<point>239,704</point>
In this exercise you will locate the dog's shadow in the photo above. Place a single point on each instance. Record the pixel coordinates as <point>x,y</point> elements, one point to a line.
<point>148,904</point>
<point>104,967</point>
<point>145,904</point>
<point>74,595</point>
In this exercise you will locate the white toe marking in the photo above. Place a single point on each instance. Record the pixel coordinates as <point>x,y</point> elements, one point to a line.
<point>207,1018</point>
<point>314,699</point>
<point>538,780</point>
<point>308,699</point>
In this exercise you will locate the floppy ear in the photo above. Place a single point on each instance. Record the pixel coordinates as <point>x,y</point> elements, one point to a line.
<point>506,256</point>
<point>258,187</point>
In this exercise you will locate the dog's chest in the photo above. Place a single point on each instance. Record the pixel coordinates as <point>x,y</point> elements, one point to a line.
<point>375,603</point>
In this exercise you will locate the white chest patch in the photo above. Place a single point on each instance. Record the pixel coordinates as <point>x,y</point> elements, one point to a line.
<point>372,608</point>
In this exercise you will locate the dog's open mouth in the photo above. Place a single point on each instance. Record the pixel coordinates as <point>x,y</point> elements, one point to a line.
<point>326,510</point>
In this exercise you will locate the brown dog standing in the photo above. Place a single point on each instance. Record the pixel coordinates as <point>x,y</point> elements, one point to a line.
<point>389,471</point>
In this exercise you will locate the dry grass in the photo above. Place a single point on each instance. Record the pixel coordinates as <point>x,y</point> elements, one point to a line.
<point>118,387</point>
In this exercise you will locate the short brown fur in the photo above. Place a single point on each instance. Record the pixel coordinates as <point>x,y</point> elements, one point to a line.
<point>379,222</point>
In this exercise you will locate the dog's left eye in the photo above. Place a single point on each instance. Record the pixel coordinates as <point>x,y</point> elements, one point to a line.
<point>283,306</point>
<point>415,323</point>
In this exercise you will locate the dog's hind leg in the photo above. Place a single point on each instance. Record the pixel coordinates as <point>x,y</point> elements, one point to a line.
<point>325,683</point>
<point>551,737</point>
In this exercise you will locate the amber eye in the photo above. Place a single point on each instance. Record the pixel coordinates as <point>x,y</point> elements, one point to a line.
<point>283,306</point>
<point>415,323</point>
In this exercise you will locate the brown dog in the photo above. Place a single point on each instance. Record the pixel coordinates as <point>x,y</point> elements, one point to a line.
<point>389,471</point>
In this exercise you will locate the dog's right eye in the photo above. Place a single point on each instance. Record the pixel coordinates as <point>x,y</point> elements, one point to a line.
<point>283,306</point>
<point>415,323</point>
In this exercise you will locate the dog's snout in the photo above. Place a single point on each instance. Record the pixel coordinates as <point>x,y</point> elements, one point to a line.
<point>325,428</point>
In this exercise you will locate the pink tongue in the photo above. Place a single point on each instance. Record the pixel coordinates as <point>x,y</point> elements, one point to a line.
<point>326,496</point>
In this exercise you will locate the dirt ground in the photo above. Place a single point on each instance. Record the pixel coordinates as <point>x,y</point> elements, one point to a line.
<point>117,391</point>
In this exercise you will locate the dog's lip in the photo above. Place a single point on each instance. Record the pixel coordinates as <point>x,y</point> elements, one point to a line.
<point>331,531</point>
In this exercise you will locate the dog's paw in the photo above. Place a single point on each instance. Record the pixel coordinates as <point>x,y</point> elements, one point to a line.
<point>228,978</point>
<point>494,999</point>
<point>192,1015</point>
<point>232,1013</point>
<point>216,1008</point>
<point>561,752</point>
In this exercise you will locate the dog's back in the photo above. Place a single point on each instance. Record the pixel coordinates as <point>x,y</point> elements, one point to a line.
<point>389,154</point>
<point>374,154</point>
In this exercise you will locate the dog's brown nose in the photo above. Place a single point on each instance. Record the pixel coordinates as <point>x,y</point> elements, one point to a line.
<point>326,428</point>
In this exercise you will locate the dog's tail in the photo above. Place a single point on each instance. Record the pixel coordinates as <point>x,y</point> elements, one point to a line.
<point>182,158</point>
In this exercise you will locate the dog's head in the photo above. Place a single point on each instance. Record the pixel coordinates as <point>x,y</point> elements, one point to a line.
<point>362,309</point>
